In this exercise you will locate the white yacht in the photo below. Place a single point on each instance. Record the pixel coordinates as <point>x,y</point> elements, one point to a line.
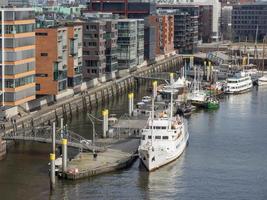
<point>262,80</point>
<point>165,143</point>
<point>239,84</point>
<point>163,139</point>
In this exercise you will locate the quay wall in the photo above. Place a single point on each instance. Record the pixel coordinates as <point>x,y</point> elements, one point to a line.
<point>86,100</point>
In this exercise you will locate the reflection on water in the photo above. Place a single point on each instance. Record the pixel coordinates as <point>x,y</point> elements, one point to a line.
<point>225,159</point>
<point>162,183</point>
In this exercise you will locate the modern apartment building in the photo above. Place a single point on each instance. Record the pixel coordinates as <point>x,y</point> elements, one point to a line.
<point>18,56</point>
<point>94,58</point>
<point>128,8</point>
<point>216,13</point>
<point>151,38</point>
<point>3,3</point>
<point>226,23</point>
<point>235,2</point>
<point>185,27</point>
<point>205,23</point>
<point>160,34</point>
<point>140,41</point>
<point>249,21</point>
<point>20,3</point>
<point>127,43</point>
<point>109,37</point>
<point>75,53</point>
<point>51,60</point>
<point>111,51</point>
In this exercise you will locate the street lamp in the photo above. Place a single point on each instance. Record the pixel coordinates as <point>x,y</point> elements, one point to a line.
<point>93,123</point>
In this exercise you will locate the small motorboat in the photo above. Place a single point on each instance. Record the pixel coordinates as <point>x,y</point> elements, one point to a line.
<point>146,99</point>
<point>212,103</point>
<point>112,119</point>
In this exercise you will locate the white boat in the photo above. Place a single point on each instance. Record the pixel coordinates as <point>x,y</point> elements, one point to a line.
<point>112,119</point>
<point>197,96</point>
<point>163,139</point>
<point>262,80</point>
<point>239,84</point>
<point>164,144</point>
<point>146,99</point>
<point>226,70</point>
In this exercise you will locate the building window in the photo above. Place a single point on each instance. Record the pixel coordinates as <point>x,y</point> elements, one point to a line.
<point>92,44</point>
<point>93,27</point>
<point>41,34</point>
<point>41,75</point>
<point>44,54</point>
<point>38,87</point>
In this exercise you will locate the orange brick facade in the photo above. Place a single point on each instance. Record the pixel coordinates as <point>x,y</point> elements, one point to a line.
<point>164,25</point>
<point>44,64</point>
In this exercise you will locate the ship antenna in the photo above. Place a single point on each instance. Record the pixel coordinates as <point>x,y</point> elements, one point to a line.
<point>171,111</point>
<point>153,109</point>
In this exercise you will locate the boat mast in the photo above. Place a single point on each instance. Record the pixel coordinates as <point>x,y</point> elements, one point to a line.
<point>195,73</point>
<point>255,48</point>
<point>263,52</point>
<point>153,108</point>
<point>171,111</point>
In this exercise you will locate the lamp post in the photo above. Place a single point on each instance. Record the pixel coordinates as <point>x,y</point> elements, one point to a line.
<point>3,56</point>
<point>93,123</point>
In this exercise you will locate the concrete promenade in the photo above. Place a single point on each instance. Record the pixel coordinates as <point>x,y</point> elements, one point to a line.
<point>117,156</point>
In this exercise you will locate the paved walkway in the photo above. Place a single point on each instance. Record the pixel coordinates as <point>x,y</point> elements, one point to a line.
<point>116,157</point>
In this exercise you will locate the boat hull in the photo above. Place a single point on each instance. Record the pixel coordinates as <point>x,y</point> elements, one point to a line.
<point>238,92</point>
<point>261,83</point>
<point>212,106</point>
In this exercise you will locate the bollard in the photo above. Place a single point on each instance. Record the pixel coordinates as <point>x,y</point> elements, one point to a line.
<point>208,71</point>
<point>64,154</point>
<point>132,103</point>
<point>205,68</point>
<point>130,98</point>
<point>191,61</point>
<point>171,78</point>
<point>54,138</point>
<point>244,60</point>
<point>61,127</point>
<point>105,122</point>
<point>52,171</point>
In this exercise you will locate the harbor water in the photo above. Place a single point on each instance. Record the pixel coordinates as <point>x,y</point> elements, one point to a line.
<point>226,159</point>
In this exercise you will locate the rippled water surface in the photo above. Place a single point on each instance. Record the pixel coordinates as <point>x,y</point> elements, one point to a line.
<point>226,159</point>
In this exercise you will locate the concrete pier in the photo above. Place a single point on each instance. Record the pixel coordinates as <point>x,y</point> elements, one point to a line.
<point>119,155</point>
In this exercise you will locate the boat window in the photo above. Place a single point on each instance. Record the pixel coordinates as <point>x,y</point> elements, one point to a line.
<point>149,137</point>
<point>143,137</point>
<point>157,137</point>
<point>165,137</point>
